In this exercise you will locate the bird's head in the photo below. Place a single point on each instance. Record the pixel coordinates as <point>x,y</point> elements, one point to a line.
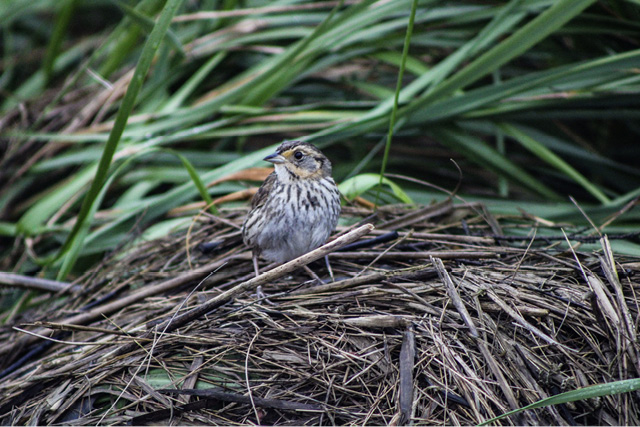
<point>299,160</point>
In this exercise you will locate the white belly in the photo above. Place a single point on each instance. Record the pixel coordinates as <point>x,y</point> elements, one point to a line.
<point>290,235</point>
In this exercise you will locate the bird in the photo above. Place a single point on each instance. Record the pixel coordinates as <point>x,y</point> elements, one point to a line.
<point>296,208</point>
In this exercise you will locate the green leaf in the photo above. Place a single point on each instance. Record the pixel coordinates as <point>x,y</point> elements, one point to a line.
<point>159,205</point>
<point>8,229</point>
<point>45,206</point>
<point>67,8</point>
<point>546,155</point>
<point>147,24</point>
<point>164,228</point>
<point>503,21</point>
<point>148,51</point>
<point>394,109</point>
<point>78,242</point>
<point>187,89</point>
<point>202,189</point>
<point>477,150</point>
<point>359,184</point>
<point>585,393</point>
<point>519,42</point>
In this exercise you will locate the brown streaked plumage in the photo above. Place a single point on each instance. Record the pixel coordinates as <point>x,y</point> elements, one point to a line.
<point>296,208</point>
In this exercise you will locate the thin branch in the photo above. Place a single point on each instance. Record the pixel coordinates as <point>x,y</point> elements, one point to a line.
<point>269,276</point>
<point>27,282</point>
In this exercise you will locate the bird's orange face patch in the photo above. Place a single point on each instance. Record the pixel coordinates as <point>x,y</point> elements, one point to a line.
<point>303,163</point>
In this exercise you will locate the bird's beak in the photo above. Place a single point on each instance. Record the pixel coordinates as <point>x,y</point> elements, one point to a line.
<point>275,158</point>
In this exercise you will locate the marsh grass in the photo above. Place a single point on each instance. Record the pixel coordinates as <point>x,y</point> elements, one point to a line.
<point>121,120</point>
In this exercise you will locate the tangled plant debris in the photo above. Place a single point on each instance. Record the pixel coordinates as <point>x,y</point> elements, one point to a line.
<point>439,317</point>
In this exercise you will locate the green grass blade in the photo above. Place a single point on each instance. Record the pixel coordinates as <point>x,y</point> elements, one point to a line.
<point>202,189</point>
<point>76,246</point>
<point>477,150</point>
<point>124,39</point>
<point>546,155</point>
<point>159,205</point>
<point>147,24</point>
<point>571,77</point>
<point>46,205</point>
<point>146,56</point>
<point>187,89</point>
<point>522,40</point>
<point>8,229</point>
<point>360,184</point>
<point>76,242</point>
<point>504,21</point>
<point>585,393</point>
<point>34,85</point>
<point>55,42</point>
<point>276,80</point>
<point>394,110</point>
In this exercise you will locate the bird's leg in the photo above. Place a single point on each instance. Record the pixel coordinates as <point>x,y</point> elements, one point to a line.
<point>254,256</point>
<point>259,293</point>
<point>326,260</point>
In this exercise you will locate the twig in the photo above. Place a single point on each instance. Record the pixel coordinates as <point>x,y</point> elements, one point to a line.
<point>440,237</point>
<point>70,327</point>
<point>248,379</point>
<point>522,322</point>
<point>192,378</point>
<point>55,340</point>
<point>18,280</point>
<point>268,276</point>
<point>102,310</point>
<point>225,396</point>
<point>386,237</point>
<point>607,263</point>
<point>582,239</point>
<point>420,255</point>
<point>455,297</point>
<point>384,252</point>
<point>338,286</point>
<point>360,280</point>
<point>407,362</point>
<point>419,215</point>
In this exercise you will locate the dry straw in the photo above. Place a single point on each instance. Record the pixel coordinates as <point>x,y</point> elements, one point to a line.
<point>448,321</point>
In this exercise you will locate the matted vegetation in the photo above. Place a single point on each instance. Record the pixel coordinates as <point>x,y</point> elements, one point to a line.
<point>450,328</point>
<point>120,121</point>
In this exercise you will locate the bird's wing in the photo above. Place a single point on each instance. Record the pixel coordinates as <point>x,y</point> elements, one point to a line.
<point>261,195</point>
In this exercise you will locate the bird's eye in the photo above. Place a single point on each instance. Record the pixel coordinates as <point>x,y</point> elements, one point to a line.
<point>298,155</point>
